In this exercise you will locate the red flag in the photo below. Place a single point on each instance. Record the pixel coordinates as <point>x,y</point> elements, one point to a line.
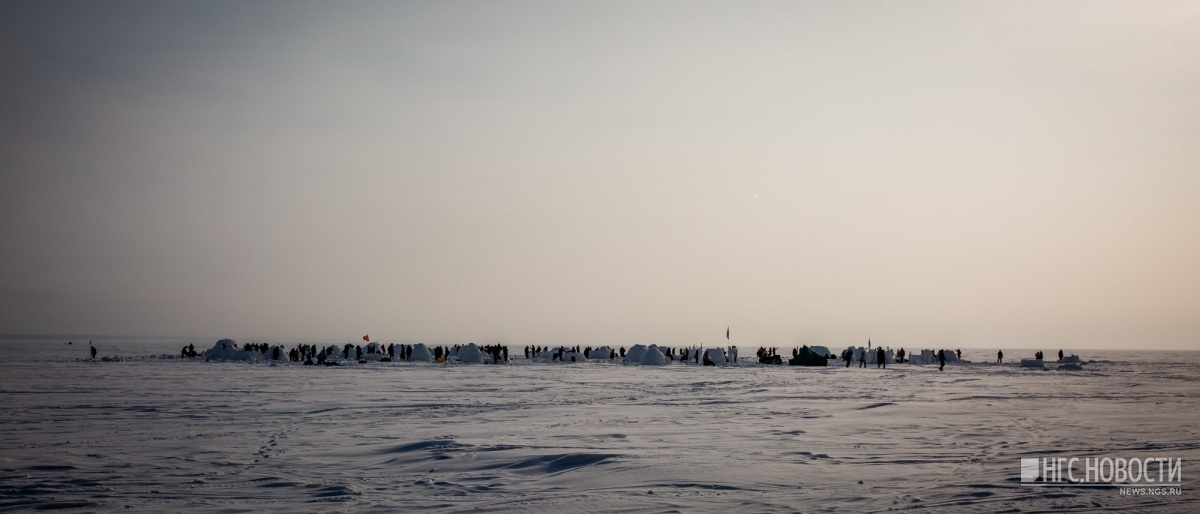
<point>366,338</point>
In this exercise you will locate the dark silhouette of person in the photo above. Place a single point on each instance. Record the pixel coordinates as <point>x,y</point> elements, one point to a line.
<point>846,355</point>
<point>707,361</point>
<point>879,359</point>
<point>941,360</point>
<point>958,353</point>
<point>1060,355</point>
<point>862,359</point>
<point>93,349</point>
<point>1000,357</point>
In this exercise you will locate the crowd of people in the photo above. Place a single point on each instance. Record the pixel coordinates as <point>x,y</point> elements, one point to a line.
<point>334,355</point>
<point>693,354</point>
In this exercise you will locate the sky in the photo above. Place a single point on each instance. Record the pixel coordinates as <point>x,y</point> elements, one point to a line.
<point>1016,174</point>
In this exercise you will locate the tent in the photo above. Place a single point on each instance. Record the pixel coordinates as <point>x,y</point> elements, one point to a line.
<point>808,357</point>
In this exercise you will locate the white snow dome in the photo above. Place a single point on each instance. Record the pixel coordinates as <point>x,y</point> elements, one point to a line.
<point>602,353</point>
<point>334,353</point>
<point>373,352</point>
<point>635,354</point>
<point>926,357</point>
<point>281,356</point>
<point>470,354</point>
<point>653,357</point>
<point>421,353</point>
<point>224,350</point>
<point>225,344</point>
<point>715,355</point>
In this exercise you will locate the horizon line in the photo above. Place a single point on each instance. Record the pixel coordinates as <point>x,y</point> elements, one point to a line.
<point>192,339</point>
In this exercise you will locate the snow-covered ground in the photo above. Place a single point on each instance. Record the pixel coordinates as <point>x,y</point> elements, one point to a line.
<point>151,432</point>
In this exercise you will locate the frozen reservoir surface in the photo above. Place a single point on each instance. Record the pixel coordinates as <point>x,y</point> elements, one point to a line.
<point>147,431</point>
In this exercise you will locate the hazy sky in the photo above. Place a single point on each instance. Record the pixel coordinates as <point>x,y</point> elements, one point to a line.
<point>976,174</point>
